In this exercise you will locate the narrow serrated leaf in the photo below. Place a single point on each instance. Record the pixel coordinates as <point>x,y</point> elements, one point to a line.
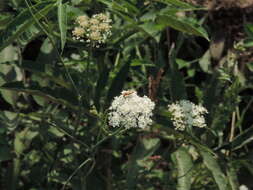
<point>62,22</point>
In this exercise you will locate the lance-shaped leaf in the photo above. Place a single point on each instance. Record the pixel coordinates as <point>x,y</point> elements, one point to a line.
<point>232,177</point>
<point>184,165</point>
<point>241,140</point>
<point>22,22</point>
<point>56,95</point>
<point>177,3</point>
<point>118,82</point>
<point>185,25</point>
<point>212,164</point>
<point>62,22</point>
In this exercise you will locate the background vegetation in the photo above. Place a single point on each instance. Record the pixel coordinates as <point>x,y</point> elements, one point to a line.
<point>55,92</point>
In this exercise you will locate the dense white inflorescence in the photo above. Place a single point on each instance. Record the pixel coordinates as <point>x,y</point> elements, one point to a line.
<point>131,111</point>
<point>94,30</point>
<point>186,114</point>
<point>243,187</point>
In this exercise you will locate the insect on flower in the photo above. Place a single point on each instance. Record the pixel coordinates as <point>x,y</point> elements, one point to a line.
<point>131,111</point>
<point>127,93</point>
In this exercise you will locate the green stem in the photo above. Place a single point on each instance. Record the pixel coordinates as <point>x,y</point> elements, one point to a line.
<point>119,131</point>
<point>53,44</point>
<point>76,170</point>
<point>15,174</point>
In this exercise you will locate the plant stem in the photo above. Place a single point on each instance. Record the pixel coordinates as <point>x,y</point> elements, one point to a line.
<point>76,170</point>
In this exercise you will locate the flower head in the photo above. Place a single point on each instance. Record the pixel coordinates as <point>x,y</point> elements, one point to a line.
<point>78,32</point>
<point>131,111</point>
<point>95,36</point>
<point>243,187</point>
<point>186,114</point>
<point>82,19</point>
<point>94,30</point>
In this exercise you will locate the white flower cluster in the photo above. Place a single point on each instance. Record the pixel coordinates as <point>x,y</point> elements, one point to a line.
<point>243,187</point>
<point>130,110</point>
<point>186,114</point>
<point>94,30</point>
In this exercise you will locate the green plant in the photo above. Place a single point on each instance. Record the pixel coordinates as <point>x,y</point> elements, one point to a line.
<point>56,93</point>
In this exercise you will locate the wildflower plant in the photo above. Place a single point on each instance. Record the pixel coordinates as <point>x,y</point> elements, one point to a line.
<point>95,30</point>
<point>186,114</point>
<point>57,130</point>
<point>131,111</point>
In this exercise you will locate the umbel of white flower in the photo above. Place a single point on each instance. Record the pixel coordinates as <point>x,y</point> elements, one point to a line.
<point>186,114</point>
<point>131,111</point>
<point>94,30</point>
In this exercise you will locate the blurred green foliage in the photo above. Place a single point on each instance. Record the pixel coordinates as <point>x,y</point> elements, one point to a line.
<point>55,93</point>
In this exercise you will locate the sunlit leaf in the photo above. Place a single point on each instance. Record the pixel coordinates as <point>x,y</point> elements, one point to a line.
<point>62,22</point>
<point>184,166</point>
<point>185,25</point>
<point>212,164</point>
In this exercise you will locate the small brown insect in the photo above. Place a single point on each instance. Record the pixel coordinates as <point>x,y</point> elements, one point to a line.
<point>127,93</point>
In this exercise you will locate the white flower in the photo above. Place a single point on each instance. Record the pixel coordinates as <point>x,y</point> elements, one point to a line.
<point>243,187</point>
<point>94,30</point>
<point>187,114</point>
<point>78,32</point>
<point>130,110</point>
<point>83,21</point>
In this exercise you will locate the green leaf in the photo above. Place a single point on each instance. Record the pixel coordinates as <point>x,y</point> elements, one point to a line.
<point>15,173</point>
<point>29,34</point>
<point>56,95</point>
<point>177,3</point>
<point>205,62</point>
<point>126,10</point>
<point>47,53</point>
<point>4,20</point>
<point>250,66</point>
<point>212,164</point>
<point>20,24</point>
<point>177,85</point>
<point>121,6</point>
<point>152,29</point>
<point>9,73</point>
<point>249,29</point>
<point>40,70</point>
<point>145,148</point>
<point>184,165</point>
<point>62,22</point>
<point>176,80</point>
<point>100,86</point>
<point>23,140</point>
<point>248,43</point>
<point>211,92</point>
<point>185,25</point>
<point>232,177</point>
<point>8,54</point>
<point>241,140</point>
<point>118,82</point>
<point>179,135</point>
